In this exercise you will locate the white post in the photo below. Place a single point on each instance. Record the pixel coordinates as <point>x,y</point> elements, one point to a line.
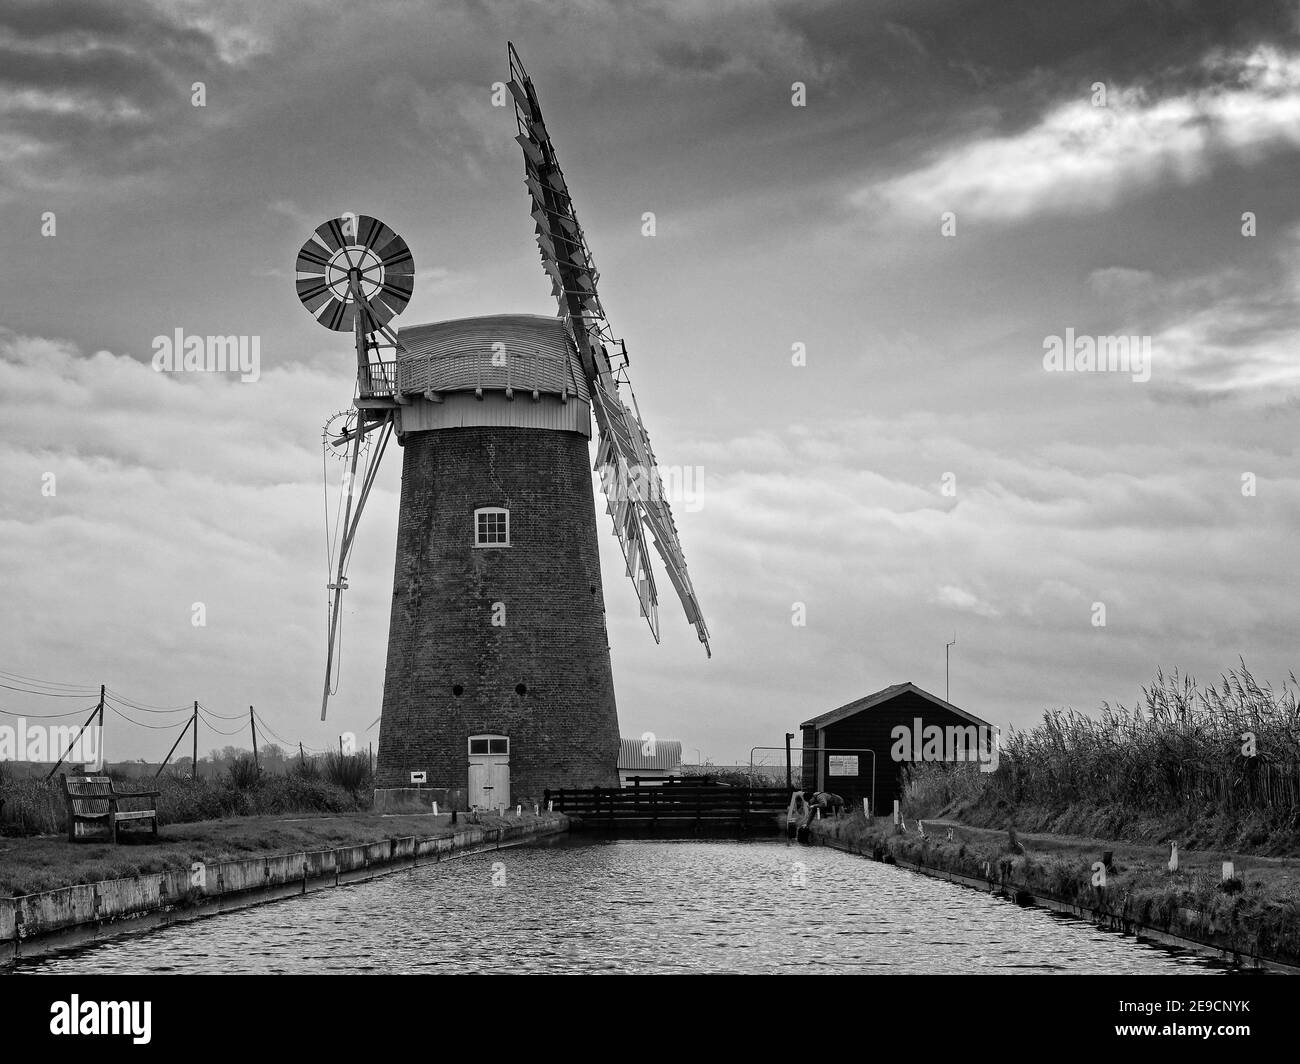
<point>550,806</point>
<point>519,810</point>
<point>435,808</point>
<point>897,819</point>
<point>866,808</point>
<point>819,812</point>
<point>1227,870</point>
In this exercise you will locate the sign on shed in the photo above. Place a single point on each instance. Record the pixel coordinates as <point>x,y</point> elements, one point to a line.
<point>843,765</point>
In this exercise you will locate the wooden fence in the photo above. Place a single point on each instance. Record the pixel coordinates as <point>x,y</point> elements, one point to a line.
<point>675,804</point>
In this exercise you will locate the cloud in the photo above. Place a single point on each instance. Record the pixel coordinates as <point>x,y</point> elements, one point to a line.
<point>1077,158</point>
<point>957,598</point>
<point>91,88</point>
<point>1228,331</point>
<point>169,489</point>
<point>176,489</point>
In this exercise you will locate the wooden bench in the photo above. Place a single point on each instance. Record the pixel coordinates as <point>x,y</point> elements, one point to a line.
<point>93,801</point>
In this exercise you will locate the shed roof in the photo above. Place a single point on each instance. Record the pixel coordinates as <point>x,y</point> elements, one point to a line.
<point>878,699</point>
<point>667,754</point>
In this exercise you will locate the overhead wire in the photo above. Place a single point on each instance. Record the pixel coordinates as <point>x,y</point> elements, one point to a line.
<point>271,731</point>
<point>220,716</point>
<point>142,724</point>
<point>47,694</point>
<point>49,716</point>
<point>110,700</point>
<point>219,731</point>
<point>145,707</point>
<point>116,702</point>
<point>89,688</point>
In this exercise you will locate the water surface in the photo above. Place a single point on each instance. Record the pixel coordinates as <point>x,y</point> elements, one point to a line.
<point>585,906</point>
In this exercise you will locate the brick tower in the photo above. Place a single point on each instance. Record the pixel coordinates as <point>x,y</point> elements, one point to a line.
<point>498,677</point>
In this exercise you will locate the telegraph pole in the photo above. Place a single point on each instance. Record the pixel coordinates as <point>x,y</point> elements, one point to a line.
<point>194,767</point>
<point>98,711</point>
<point>253,724</point>
<point>946,698</point>
<point>103,763</point>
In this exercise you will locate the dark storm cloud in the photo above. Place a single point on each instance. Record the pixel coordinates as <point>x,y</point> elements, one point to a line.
<point>86,85</point>
<point>925,58</point>
<point>130,27</point>
<point>1010,40</point>
<point>35,19</point>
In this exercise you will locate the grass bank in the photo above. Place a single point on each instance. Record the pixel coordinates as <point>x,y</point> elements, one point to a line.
<point>33,806</point>
<point>1257,915</point>
<point>31,864</point>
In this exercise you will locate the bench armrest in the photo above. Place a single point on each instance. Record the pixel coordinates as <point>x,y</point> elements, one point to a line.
<point>136,794</point>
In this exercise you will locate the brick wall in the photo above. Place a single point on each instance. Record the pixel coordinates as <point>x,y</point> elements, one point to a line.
<point>564,730</point>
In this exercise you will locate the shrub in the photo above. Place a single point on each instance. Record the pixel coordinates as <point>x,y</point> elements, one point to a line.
<point>307,770</point>
<point>243,772</point>
<point>349,771</point>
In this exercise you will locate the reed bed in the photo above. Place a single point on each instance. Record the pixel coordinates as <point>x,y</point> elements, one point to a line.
<point>1228,753</point>
<point>1234,746</point>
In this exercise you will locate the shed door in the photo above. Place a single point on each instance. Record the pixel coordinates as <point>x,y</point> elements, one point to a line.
<point>489,771</point>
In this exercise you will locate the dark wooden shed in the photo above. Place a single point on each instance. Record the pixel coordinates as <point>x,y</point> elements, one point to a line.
<point>838,746</point>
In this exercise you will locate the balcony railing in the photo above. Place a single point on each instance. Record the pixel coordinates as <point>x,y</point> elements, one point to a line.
<point>379,378</point>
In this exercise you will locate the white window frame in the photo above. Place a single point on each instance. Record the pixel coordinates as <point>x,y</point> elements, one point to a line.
<point>484,510</point>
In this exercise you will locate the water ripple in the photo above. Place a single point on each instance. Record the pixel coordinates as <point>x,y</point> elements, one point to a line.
<point>636,907</point>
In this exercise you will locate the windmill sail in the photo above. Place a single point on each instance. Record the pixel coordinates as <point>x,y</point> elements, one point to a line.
<point>624,459</point>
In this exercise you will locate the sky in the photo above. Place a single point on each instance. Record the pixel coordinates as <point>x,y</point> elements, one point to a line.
<point>870,220</point>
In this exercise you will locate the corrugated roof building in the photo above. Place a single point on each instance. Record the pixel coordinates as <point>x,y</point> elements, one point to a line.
<point>648,759</point>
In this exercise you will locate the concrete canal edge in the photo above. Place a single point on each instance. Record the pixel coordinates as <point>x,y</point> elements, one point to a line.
<point>1099,918</point>
<point>34,925</point>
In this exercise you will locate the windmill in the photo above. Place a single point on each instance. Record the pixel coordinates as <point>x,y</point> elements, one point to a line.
<point>498,677</point>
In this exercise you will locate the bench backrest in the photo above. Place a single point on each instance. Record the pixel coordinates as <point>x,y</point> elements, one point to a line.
<point>88,794</point>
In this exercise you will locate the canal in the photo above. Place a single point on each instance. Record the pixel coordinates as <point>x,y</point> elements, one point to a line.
<point>654,907</point>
